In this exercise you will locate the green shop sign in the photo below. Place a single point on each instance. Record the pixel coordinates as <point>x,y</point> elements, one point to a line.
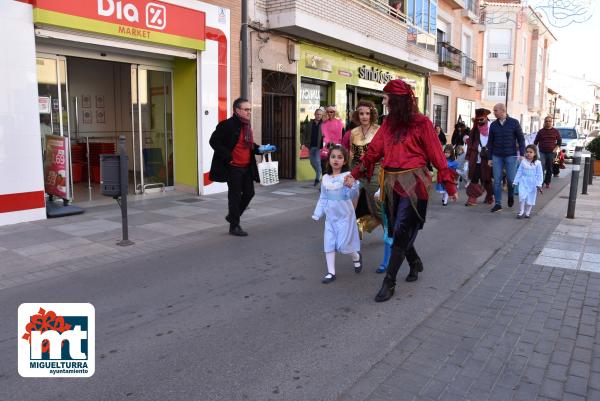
<point>324,77</point>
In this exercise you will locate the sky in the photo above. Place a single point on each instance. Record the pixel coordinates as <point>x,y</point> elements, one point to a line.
<point>576,52</point>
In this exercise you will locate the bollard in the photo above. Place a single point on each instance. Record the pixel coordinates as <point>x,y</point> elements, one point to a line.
<point>591,175</point>
<point>124,189</point>
<point>574,183</point>
<point>586,173</point>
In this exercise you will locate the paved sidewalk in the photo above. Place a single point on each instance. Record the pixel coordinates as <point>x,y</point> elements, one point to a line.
<point>44,249</point>
<point>526,327</point>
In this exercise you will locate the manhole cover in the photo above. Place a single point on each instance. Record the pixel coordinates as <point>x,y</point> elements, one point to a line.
<point>190,200</point>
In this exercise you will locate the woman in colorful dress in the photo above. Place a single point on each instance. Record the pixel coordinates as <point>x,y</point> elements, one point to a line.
<point>367,209</point>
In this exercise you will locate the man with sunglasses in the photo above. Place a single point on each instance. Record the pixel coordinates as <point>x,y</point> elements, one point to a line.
<point>234,162</point>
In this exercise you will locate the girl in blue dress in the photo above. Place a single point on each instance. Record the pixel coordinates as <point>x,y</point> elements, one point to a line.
<point>529,178</point>
<point>452,164</point>
<point>335,203</point>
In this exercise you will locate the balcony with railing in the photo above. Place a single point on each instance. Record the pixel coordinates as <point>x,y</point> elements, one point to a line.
<point>471,10</point>
<point>449,61</point>
<point>378,28</point>
<point>479,77</point>
<point>469,71</point>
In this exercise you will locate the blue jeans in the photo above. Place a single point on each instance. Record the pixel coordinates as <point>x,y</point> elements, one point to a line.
<point>500,163</point>
<point>315,161</point>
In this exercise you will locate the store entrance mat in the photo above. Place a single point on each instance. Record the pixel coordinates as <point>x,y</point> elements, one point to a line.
<point>58,210</point>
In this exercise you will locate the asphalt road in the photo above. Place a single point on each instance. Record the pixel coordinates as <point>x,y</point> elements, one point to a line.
<point>247,318</point>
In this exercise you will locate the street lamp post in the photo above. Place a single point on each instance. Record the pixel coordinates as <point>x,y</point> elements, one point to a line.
<point>508,67</point>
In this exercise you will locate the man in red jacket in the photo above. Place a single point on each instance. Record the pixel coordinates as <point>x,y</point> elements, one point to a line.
<point>547,139</point>
<point>407,142</point>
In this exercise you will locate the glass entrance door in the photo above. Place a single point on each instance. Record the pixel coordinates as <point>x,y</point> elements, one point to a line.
<point>152,115</point>
<point>53,104</point>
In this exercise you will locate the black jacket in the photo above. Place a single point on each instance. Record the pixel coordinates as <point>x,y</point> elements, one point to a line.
<point>223,140</point>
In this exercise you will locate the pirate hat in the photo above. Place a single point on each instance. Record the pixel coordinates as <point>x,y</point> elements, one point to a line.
<point>481,112</point>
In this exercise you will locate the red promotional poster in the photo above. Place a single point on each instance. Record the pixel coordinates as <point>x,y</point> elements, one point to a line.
<point>56,171</point>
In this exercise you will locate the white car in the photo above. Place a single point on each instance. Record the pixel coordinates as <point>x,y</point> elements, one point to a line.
<point>571,137</point>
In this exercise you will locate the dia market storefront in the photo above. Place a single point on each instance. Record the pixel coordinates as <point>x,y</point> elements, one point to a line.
<point>333,78</point>
<point>82,73</point>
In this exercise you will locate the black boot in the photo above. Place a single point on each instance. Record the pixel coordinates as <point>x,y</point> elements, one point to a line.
<point>389,282</point>
<point>415,263</point>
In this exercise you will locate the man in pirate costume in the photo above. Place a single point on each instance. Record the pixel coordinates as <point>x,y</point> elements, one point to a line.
<point>479,171</point>
<point>407,142</point>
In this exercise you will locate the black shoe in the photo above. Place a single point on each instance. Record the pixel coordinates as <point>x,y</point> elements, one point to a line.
<point>237,231</point>
<point>328,278</point>
<point>519,216</point>
<point>228,219</point>
<point>415,268</point>
<point>511,201</point>
<point>358,264</point>
<point>526,216</point>
<point>496,208</point>
<point>316,183</point>
<point>386,291</point>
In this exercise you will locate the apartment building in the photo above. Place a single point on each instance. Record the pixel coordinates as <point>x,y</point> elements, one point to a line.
<point>516,44</point>
<point>307,54</point>
<point>455,88</point>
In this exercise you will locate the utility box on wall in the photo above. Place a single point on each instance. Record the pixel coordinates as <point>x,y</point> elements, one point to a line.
<point>110,175</point>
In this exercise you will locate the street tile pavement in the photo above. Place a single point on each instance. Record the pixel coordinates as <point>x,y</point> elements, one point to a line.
<point>525,327</point>
<point>44,249</point>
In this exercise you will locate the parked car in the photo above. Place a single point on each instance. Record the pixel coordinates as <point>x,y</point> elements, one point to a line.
<point>571,137</point>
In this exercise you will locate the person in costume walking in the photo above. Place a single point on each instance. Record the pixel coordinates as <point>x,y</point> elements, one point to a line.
<point>335,203</point>
<point>367,208</point>
<point>529,178</point>
<point>453,164</point>
<point>407,142</point>
<point>478,155</point>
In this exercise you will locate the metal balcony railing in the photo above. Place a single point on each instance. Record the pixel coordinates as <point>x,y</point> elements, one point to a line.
<point>469,67</point>
<point>393,8</point>
<point>479,75</point>
<point>472,6</point>
<point>449,57</point>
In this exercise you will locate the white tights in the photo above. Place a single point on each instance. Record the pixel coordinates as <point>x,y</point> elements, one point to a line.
<point>524,208</point>
<point>330,258</point>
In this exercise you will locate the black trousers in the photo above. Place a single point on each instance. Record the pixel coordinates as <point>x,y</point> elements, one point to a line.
<point>406,227</point>
<point>240,192</point>
<point>547,159</point>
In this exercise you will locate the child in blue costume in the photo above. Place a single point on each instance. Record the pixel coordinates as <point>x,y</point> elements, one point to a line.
<point>452,164</point>
<point>387,239</point>
<point>335,203</point>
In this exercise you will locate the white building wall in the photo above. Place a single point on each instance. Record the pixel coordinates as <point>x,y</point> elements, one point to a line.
<point>21,171</point>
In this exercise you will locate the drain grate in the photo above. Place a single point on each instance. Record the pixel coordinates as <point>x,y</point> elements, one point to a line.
<point>563,197</point>
<point>190,200</point>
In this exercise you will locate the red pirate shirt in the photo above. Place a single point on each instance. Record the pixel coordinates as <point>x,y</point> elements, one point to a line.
<point>419,146</point>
